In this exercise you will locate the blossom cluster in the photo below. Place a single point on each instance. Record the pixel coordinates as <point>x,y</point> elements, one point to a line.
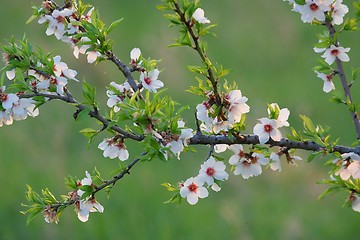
<point>38,79</point>
<point>211,173</point>
<point>269,127</point>
<point>64,25</point>
<point>321,11</point>
<point>313,10</point>
<point>15,108</point>
<point>176,143</point>
<point>149,80</point>
<point>83,207</point>
<point>233,103</point>
<point>114,148</point>
<point>349,166</point>
<point>247,165</point>
<point>84,202</point>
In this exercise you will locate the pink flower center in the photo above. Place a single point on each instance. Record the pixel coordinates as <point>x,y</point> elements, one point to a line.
<point>193,187</point>
<point>147,80</point>
<point>241,154</point>
<point>60,19</point>
<point>329,77</point>
<point>334,52</point>
<point>53,81</point>
<point>3,97</point>
<point>210,171</point>
<point>246,164</point>
<point>120,145</point>
<point>314,7</point>
<point>268,128</point>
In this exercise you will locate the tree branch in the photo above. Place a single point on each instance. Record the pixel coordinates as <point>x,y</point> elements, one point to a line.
<point>93,113</point>
<point>195,38</point>
<point>124,69</point>
<point>248,139</point>
<point>344,83</point>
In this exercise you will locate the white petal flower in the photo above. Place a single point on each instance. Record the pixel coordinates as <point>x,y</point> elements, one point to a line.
<point>338,12</point>
<point>11,74</point>
<point>356,203</point>
<point>134,55</point>
<point>249,167</point>
<point>6,118</point>
<point>92,56</point>
<point>312,10</point>
<point>202,113</point>
<point>85,207</point>
<point>150,81</point>
<point>219,148</point>
<point>328,83</point>
<point>113,149</point>
<point>267,128</point>
<point>239,154</point>
<point>193,189</point>
<point>275,162</point>
<point>8,100</point>
<point>211,170</point>
<point>354,169</point>
<point>59,66</point>
<point>334,52</point>
<point>199,15</point>
<point>23,108</point>
<point>283,115</point>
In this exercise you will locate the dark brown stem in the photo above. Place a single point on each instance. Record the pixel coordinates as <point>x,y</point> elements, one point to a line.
<point>117,177</point>
<point>249,139</point>
<point>344,83</point>
<point>93,113</point>
<point>124,69</point>
<point>195,38</point>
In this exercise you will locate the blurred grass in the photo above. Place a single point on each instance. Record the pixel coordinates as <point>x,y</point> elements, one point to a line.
<point>271,53</point>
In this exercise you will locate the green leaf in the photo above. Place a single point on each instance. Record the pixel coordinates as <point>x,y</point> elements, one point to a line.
<point>89,133</point>
<point>329,191</point>
<point>83,114</point>
<point>313,155</point>
<point>31,18</point>
<point>308,124</point>
<point>88,93</point>
<point>175,199</point>
<point>355,73</point>
<point>113,25</point>
<point>170,187</point>
<point>300,2</point>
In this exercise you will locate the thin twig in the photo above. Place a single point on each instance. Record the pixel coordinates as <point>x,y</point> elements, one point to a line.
<point>195,38</point>
<point>344,83</point>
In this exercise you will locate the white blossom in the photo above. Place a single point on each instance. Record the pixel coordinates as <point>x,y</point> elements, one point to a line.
<point>312,10</point>
<point>212,169</point>
<point>85,207</point>
<point>338,12</point>
<point>150,80</point>
<point>237,106</point>
<point>334,52</point>
<point>11,74</point>
<point>275,162</point>
<point>113,149</point>
<point>199,16</point>
<point>192,189</point>
<point>328,83</point>
<point>267,128</point>
<point>355,203</point>
<point>250,166</point>
<point>283,115</point>
<point>134,55</point>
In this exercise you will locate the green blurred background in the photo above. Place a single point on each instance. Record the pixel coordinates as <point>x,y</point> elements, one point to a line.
<point>271,53</point>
